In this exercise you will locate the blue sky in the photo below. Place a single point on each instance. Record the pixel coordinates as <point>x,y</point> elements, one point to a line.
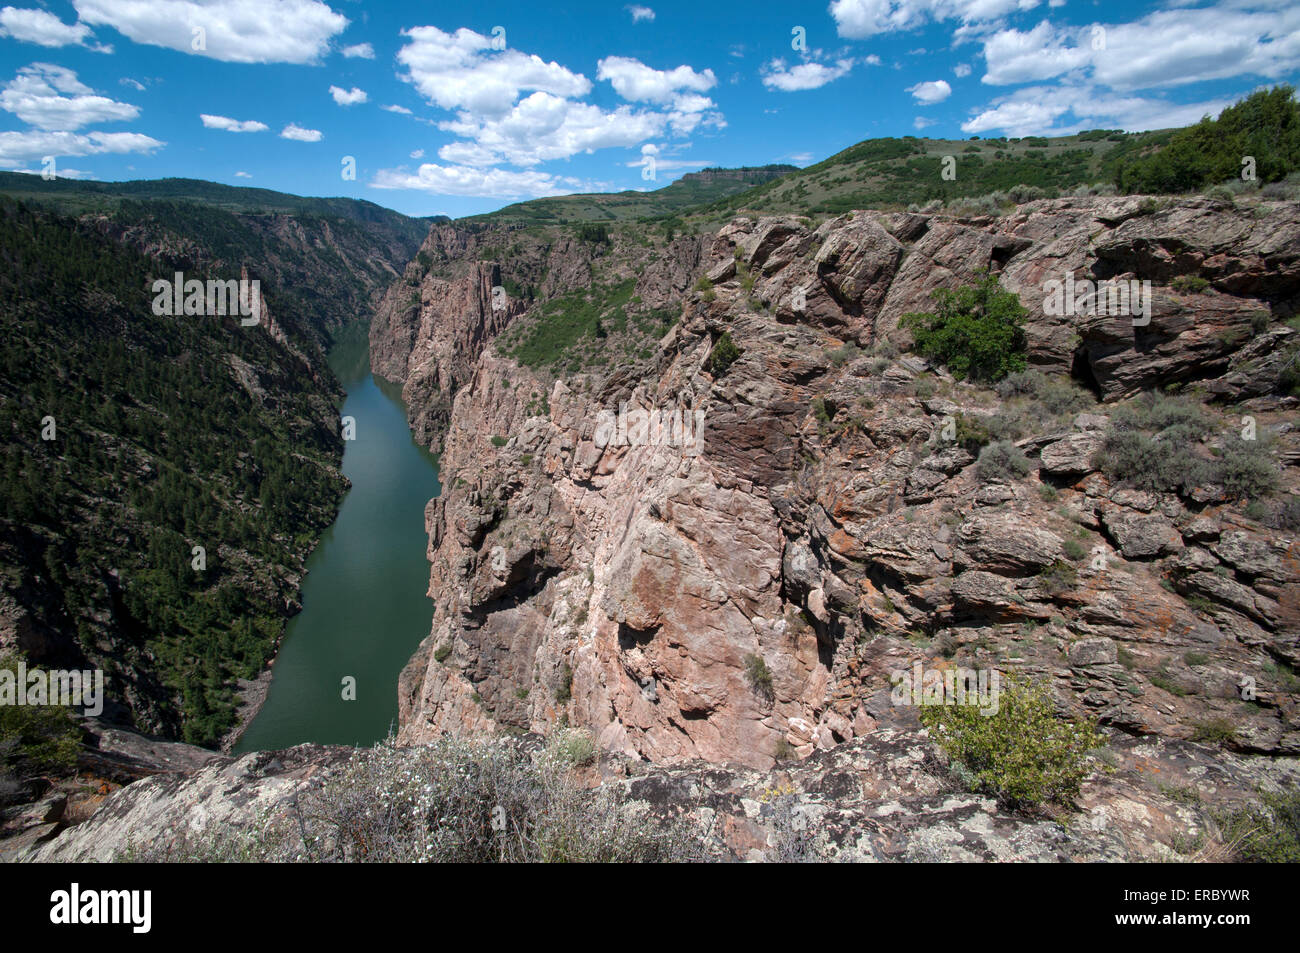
<point>458,108</point>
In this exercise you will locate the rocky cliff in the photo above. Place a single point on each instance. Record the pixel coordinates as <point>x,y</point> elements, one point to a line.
<point>749,602</point>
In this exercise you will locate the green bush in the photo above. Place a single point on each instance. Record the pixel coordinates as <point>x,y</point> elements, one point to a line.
<point>1001,460</point>
<point>724,354</point>
<point>975,331</point>
<point>1024,754</point>
<point>758,675</point>
<point>1189,284</point>
<point>1057,394</point>
<point>499,441</point>
<point>572,746</point>
<point>1246,470</point>
<point>1268,833</point>
<point>972,434</point>
<point>1265,125</point>
<point>36,738</point>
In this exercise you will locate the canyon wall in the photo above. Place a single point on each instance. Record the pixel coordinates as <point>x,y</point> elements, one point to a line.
<point>749,602</point>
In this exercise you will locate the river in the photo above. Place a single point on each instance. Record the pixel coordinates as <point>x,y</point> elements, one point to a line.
<point>364,605</point>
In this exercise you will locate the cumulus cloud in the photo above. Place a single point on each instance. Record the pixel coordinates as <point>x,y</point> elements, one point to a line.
<point>401,110</point>
<point>51,97</point>
<point>512,107</point>
<point>1165,48</point>
<point>930,92</point>
<point>484,183</point>
<point>299,134</point>
<point>461,70</point>
<point>777,75</point>
<point>961,70</point>
<point>348,97</point>
<point>362,51</point>
<point>1060,110</point>
<point>43,29</point>
<point>18,148</point>
<point>232,125</point>
<point>640,13</point>
<point>857,19</point>
<point>638,83</point>
<point>542,127</point>
<point>235,31</point>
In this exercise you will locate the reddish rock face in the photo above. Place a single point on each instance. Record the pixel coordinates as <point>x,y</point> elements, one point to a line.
<point>753,599</point>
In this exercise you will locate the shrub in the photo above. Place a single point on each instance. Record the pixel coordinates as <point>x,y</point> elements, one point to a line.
<point>1001,460</point>
<point>1058,395</point>
<point>441,652</point>
<point>1189,284</point>
<point>1215,731</point>
<point>453,801</point>
<point>1245,470</point>
<point>499,441</point>
<point>572,746</point>
<point>1268,833</point>
<point>1023,755</point>
<point>1058,577</point>
<point>1073,549</point>
<point>975,332</point>
<point>971,433</point>
<point>36,738</point>
<point>758,675</point>
<point>724,354</point>
<point>1150,445</point>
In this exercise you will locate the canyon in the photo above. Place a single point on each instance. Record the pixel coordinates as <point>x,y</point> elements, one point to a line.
<point>727,625</point>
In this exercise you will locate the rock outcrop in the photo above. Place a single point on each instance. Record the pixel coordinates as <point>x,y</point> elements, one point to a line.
<point>755,597</point>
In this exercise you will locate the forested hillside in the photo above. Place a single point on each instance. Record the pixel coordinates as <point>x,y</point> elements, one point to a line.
<point>128,439</point>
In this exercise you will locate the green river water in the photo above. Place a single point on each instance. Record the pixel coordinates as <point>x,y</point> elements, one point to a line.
<point>364,603</point>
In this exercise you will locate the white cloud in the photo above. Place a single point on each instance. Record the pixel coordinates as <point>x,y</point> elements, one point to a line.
<point>360,51</point>
<point>417,154</point>
<point>543,127</point>
<point>348,97</point>
<point>961,70</point>
<point>232,125</point>
<point>235,31</point>
<point>134,84</point>
<point>777,75</point>
<point>930,92</point>
<point>857,19</point>
<point>871,59</point>
<point>401,110</point>
<point>17,148</point>
<point>299,134</point>
<point>1165,48</point>
<point>640,13</point>
<point>461,70</point>
<point>242,175</point>
<point>638,83</point>
<point>920,122</point>
<point>35,95</point>
<point>42,28</point>
<point>1060,110</point>
<point>487,183</point>
<point>512,107</point>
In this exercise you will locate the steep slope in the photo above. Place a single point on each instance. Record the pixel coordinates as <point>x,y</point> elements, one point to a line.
<point>323,263</point>
<point>750,602</point>
<point>129,438</point>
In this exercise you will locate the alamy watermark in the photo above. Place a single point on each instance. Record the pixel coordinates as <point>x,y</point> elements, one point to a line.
<point>213,298</point>
<point>1087,297</point>
<point>978,688</point>
<point>636,427</point>
<point>69,689</point>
